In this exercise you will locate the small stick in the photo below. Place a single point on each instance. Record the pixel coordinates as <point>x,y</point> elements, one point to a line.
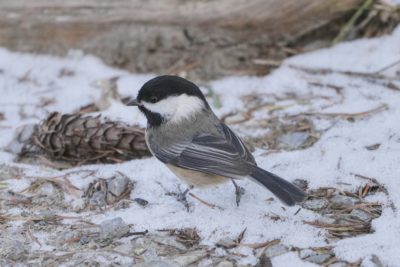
<point>72,240</point>
<point>350,24</point>
<point>240,236</point>
<point>90,172</point>
<point>262,245</point>
<point>325,71</point>
<point>397,62</point>
<point>347,115</point>
<point>34,238</point>
<point>377,261</point>
<point>213,206</point>
<point>373,180</point>
<point>297,211</point>
<point>137,233</point>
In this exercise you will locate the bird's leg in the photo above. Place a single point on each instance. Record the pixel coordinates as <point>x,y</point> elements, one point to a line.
<point>239,191</point>
<point>181,196</point>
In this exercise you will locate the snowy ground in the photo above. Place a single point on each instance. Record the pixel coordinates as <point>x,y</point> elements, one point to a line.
<point>31,87</point>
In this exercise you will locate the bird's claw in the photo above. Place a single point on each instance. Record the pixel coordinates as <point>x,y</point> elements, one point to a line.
<point>239,192</point>
<point>181,197</point>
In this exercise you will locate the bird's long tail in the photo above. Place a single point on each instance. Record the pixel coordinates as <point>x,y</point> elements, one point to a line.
<point>284,190</point>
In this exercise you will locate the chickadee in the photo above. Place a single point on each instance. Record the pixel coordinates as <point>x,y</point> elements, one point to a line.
<point>185,134</point>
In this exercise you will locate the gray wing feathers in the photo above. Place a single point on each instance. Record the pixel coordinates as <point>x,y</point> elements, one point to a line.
<point>238,144</point>
<point>226,156</point>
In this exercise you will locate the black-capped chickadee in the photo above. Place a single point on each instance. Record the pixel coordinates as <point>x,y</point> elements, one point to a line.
<point>185,134</point>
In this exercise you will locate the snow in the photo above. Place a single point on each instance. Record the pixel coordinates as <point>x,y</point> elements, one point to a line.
<point>290,259</point>
<point>395,2</point>
<point>345,141</point>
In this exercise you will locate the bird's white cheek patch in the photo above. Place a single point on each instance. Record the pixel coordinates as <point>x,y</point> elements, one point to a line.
<point>176,108</point>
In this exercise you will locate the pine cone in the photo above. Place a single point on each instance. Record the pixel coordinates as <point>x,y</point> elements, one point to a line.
<point>83,139</point>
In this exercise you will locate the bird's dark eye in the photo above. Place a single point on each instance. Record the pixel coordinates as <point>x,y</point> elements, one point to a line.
<point>153,99</point>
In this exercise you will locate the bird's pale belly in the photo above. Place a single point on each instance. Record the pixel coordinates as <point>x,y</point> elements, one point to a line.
<point>195,178</point>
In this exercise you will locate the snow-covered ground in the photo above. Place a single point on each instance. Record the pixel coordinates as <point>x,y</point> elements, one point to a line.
<point>29,81</point>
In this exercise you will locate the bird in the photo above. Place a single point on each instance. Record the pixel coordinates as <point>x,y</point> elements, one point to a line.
<point>185,134</point>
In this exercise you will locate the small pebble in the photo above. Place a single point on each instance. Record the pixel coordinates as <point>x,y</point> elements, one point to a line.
<point>118,185</point>
<point>318,258</point>
<point>114,228</point>
<point>301,183</point>
<point>341,200</point>
<point>328,219</point>
<point>275,250</point>
<point>47,189</point>
<point>124,249</point>
<point>315,204</point>
<point>226,242</point>
<point>140,245</point>
<point>84,240</point>
<point>294,140</point>
<point>168,241</point>
<point>123,204</point>
<point>361,215</point>
<point>142,202</point>
<point>98,199</point>
<point>225,264</point>
<point>338,264</point>
<point>190,258</point>
<point>93,245</point>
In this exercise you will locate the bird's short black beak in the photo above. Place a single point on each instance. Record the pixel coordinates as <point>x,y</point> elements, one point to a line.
<point>133,102</point>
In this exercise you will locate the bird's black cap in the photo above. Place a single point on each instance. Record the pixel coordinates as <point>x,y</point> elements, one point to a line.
<point>164,86</point>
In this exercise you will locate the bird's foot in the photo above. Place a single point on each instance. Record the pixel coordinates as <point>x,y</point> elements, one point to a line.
<point>239,192</point>
<point>181,196</point>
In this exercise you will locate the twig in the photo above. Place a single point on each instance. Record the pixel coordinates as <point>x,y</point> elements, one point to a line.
<point>61,184</point>
<point>213,206</point>
<point>297,212</point>
<point>53,164</point>
<point>145,232</point>
<point>37,218</point>
<point>397,62</point>
<point>337,88</point>
<point>90,172</point>
<point>377,261</point>
<point>262,245</point>
<point>347,115</point>
<point>72,240</point>
<point>325,71</point>
<point>267,62</point>
<point>339,163</point>
<point>388,84</point>
<point>373,180</point>
<point>330,261</point>
<point>240,236</point>
<point>350,24</point>
<point>70,185</point>
<point>34,238</point>
<point>351,227</point>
